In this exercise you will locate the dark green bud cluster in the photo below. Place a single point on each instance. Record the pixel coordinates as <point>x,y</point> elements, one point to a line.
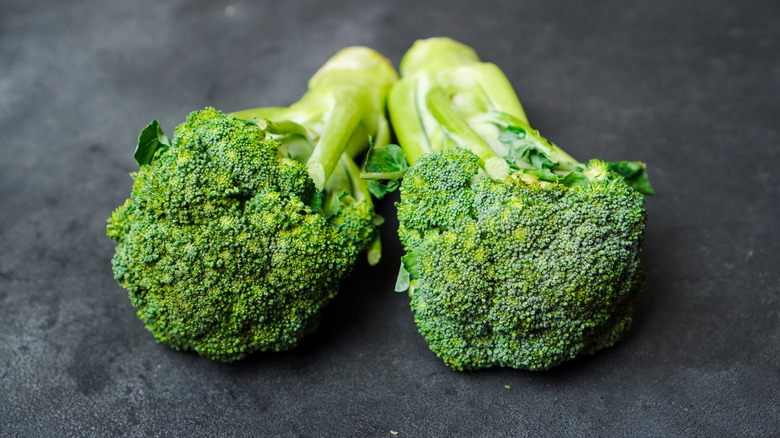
<point>222,244</point>
<point>516,273</point>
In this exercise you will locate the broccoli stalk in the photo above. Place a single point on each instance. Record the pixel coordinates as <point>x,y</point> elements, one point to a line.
<point>241,227</point>
<point>516,253</point>
<point>342,108</point>
<point>448,98</point>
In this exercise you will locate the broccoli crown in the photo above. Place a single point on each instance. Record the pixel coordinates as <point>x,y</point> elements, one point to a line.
<point>223,246</point>
<point>517,273</point>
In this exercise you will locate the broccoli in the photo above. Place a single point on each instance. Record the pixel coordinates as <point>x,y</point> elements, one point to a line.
<point>517,255</point>
<point>240,228</point>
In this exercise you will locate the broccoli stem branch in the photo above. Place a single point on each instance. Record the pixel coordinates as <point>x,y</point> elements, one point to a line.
<point>341,111</point>
<point>361,192</point>
<point>346,179</point>
<point>497,90</point>
<point>342,121</point>
<point>459,130</point>
<point>408,120</point>
<point>445,87</point>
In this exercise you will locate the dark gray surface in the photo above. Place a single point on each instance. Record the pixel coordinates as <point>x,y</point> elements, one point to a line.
<point>691,88</point>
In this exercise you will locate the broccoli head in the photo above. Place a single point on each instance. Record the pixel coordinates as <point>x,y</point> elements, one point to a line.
<point>239,229</point>
<point>517,255</point>
<point>515,274</point>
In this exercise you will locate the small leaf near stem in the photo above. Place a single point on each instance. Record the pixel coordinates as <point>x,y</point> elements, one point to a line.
<point>635,175</point>
<point>382,160</point>
<point>383,168</point>
<point>408,272</point>
<point>341,121</point>
<point>150,141</point>
<point>531,148</point>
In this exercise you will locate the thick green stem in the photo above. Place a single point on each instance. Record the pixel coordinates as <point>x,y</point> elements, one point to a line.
<point>497,90</point>
<point>341,111</point>
<point>407,119</point>
<point>433,55</point>
<point>340,123</point>
<point>446,89</point>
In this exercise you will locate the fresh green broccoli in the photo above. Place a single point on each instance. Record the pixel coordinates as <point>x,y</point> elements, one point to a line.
<point>239,229</point>
<point>517,255</point>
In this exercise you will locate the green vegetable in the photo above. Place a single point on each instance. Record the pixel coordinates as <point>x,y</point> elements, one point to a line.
<point>239,229</point>
<point>384,167</point>
<point>518,255</point>
<point>150,141</point>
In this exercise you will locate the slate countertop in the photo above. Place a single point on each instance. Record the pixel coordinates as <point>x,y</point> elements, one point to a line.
<point>691,88</point>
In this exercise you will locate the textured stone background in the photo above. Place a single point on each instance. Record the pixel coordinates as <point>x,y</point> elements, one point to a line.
<point>691,88</point>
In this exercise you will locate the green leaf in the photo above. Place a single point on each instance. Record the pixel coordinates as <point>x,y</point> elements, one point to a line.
<point>403,281</point>
<point>412,263</point>
<point>539,160</point>
<point>527,145</point>
<point>385,159</point>
<point>380,189</point>
<point>575,179</point>
<point>150,141</point>
<point>635,175</point>
<point>408,271</point>
<point>511,134</point>
<point>542,174</point>
<point>383,168</point>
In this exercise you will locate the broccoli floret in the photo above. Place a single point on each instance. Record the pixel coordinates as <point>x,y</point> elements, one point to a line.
<point>239,229</point>
<point>517,255</point>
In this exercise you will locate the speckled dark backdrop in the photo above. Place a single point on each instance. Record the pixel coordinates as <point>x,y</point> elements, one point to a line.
<point>691,88</point>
